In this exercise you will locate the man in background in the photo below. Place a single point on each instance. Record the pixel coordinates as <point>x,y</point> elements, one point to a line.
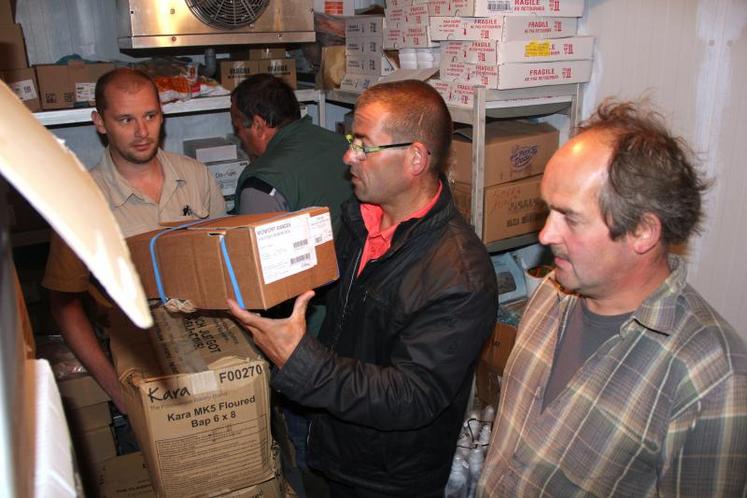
<point>389,376</point>
<point>623,381</point>
<point>145,186</point>
<point>295,163</point>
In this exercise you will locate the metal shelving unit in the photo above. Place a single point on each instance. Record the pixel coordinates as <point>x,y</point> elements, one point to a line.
<point>199,104</point>
<point>521,102</point>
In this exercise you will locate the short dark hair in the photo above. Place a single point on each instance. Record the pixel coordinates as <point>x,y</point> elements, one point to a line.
<point>268,97</point>
<point>417,113</point>
<point>650,171</point>
<point>124,74</point>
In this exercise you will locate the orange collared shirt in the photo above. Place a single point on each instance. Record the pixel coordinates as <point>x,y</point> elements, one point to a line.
<point>379,241</point>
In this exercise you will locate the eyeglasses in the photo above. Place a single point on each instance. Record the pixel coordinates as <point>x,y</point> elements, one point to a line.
<point>359,148</point>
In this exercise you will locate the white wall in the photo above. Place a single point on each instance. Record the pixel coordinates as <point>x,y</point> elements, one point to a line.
<point>690,58</point>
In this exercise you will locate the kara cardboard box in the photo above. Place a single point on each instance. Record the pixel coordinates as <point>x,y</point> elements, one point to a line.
<point>125,476</point>
<point>64,86</point>
<point>510,209</point>
<point>23,83</point>
<point>284,69</point>
<point>492,361</point>
<point>12,47</point>
<point>198,398</point>
<point>233,72</point>
<point>271,257</point>
<point>513,150</point>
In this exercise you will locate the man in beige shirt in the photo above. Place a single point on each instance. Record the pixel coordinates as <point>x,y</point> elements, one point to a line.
<point>145,187</point>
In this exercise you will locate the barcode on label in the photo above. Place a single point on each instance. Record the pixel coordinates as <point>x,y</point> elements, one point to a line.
<point>299,259</point>
<point>499,5</point>
<point>300,243</point>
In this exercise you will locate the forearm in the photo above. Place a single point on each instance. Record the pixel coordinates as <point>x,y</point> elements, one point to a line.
<point>78,333</point>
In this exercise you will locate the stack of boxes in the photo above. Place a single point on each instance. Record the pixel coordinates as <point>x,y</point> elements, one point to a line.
<point>14,69</point>
<point>516,153</point>
<point>87,410</point>
<point>223,159</point>
<point>507,44</point>
<point>407,29</point>
<point>246,63</point>
<point>365,61</point>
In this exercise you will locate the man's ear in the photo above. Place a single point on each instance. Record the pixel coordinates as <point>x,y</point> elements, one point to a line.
<point>98,122</point>
<point>419,158</point>
<point>647,234</point>
<point>259,123</point>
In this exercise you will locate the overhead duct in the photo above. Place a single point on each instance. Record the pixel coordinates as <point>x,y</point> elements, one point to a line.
<point>190,23</point>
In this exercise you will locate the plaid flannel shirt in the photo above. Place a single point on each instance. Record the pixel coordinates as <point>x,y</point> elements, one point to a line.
<point>660,409</point>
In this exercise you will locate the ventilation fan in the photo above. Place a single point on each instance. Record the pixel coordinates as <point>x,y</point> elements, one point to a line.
<point>183,23</point>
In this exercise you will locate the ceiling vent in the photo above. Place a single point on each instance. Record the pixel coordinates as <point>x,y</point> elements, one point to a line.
<point>191,23</point>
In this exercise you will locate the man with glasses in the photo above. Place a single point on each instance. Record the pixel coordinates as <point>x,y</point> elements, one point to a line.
<point>389,376</point>
<point>295,163</point>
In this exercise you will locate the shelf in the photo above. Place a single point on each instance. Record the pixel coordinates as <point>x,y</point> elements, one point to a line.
<point>200,104</point>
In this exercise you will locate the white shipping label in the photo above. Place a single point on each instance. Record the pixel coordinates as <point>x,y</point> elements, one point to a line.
<point>285,247</point>
<point>321,228</point>
<point>24,89</point>
<point>85,92</point>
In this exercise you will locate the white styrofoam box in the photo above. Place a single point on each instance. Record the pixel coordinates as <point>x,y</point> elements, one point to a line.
<point>527,74</point>
<point>226,174</point>
<point>364,26</point>
<point>501,28</point>
<point>373,64</point>
<point>417,37</point>
<point>556,49</point>
<point>517,74</point>
<point>211,149</point>
<point>488,8</point>
<point>364,45</point>
<point>416,14</point>
<point>454,93</point>
<point>466,28</point>
<point>395,16</point>
<point>500,52</point>
<point>357,82</point>
<point>393,37</point>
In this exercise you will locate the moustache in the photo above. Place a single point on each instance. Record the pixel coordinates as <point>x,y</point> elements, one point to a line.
<point>558,252</point>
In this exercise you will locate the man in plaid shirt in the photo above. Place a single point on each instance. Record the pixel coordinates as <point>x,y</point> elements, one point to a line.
<point>623,381</point>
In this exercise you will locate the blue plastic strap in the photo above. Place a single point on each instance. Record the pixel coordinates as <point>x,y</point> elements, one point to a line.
<point>231,274</point>
<point>154,258</point>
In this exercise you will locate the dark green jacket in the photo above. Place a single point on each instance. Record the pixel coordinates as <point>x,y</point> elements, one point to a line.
<point>303,162</point>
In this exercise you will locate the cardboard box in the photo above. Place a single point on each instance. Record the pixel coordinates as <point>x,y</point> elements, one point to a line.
<point>524,75</point>
<point>212,149</point>
<point>492,361</point>
<point>12,47</point>
<point>358,82</point>
<point>89,418</point>
<point>92,449</point>
<point>227,174</point>
<point>501,28</point>
<point>510,209</point>
<point>64,86</point>
<point>274,256</point>
<point>6,12</point>
<point>356,26</point>
<point>234,72</point>
<point>488,8</point>
<point>125,476</point>
<point>80,391</point>
<point>499,52</point>
<point>374,65</point>
<point>364,46</point>
<point>513,150</point>
<point>198,398</point>
<point>23,83</point>
<point>282,68</point>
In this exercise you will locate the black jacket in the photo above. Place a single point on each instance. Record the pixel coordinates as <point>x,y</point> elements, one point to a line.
<point>392,370</point>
